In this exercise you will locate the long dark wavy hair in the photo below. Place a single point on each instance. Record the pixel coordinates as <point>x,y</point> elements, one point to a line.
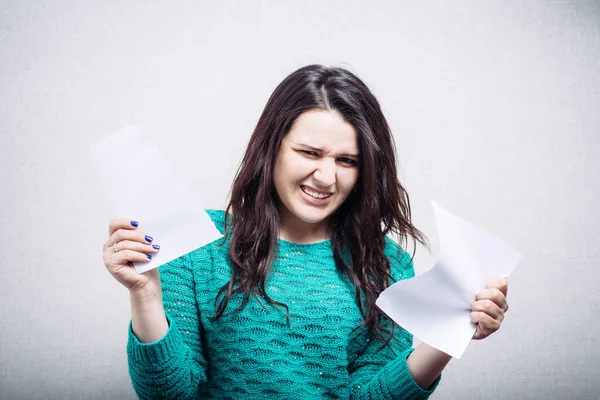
<point>377,205</point>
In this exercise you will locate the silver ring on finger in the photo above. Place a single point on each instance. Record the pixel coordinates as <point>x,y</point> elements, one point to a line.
<point>115,248</point>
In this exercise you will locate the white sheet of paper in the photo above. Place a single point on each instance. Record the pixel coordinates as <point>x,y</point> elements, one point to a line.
<point>436,305</point>
<point>143,186</point>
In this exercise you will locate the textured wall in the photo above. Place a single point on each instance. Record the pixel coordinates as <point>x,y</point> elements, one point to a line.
<point>495,108</point>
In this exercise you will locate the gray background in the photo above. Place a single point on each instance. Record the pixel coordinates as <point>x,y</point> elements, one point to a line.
<point>495,110</point>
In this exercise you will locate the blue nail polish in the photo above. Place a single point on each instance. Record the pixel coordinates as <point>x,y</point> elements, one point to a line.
<point>148,239</point>
<point>134,223</point>
<point>149,256</point>
<point>156,246</point>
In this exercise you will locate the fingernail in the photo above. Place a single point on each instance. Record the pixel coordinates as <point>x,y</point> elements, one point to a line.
<point>148,239</point>
<point>134,223</point>
<point>155,246</point>
<point>149,256</point>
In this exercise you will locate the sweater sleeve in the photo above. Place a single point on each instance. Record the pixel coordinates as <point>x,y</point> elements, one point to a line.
<point>174,366</point>
<point>383,373</point>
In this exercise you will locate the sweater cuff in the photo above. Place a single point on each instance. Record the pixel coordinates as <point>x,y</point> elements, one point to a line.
<point>157,352</point>
<point>401,380</point>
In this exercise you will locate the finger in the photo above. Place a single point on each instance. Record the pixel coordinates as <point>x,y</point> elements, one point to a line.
<point>498,283</point>
<point>485,323</point>
<point>123,258</point>
<point>121,223</point>
<point>488,307</point>
<point>495,295</point>
<point>135,246</point>
<point>124,234</point>
<point>478,335</point>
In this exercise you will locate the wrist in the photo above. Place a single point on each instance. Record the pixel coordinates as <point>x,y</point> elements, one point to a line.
<point>146,294</point>
<point>426,363</point>
<point>148,319</point>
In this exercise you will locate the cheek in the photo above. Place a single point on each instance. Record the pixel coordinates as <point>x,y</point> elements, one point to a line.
<point>297,169</point>
<point>347,179</point>
<point>279,177</point>
<point>288,170</point>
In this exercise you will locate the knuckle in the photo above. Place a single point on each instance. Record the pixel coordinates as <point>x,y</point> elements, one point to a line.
<point>499,298</point>
<point>485,319</point>
<point>117,235</point>
<point>136,256</point>
<point>496,324</point>
<point>497,294</point>
<point>113,225</point>
<point>125,234</point>
<point>129,254</point>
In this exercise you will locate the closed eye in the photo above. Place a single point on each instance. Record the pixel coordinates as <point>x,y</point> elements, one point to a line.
<point>310,153</point>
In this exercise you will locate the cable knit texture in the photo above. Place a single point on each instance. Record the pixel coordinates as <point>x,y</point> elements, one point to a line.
<point>254,354</point>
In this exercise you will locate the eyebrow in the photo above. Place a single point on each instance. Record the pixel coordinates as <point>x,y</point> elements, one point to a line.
<point>317,149</point>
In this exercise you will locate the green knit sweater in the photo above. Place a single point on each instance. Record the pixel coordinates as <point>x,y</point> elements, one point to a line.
<point>254,354</point>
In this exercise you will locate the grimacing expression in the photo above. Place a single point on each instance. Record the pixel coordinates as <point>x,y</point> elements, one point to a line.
<point>317,166</point>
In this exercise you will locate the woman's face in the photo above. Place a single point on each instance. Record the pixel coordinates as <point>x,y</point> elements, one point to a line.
<point>316,167</point>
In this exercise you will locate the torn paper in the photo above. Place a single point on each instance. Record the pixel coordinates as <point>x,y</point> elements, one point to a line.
<point>143,186</point>
<point>436,306</point>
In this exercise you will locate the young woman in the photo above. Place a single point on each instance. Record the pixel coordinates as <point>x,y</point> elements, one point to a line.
<point>284,305</point>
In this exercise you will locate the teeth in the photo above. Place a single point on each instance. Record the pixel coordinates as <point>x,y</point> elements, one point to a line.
<point>315,194</point>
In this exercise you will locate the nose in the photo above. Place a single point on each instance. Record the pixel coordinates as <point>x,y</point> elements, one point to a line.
<point>325,173</point>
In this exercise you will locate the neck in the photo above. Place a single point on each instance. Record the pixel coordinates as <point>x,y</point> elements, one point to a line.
<point>295,230</point>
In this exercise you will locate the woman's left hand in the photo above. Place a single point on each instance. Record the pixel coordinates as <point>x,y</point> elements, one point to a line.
<point>489,308</point>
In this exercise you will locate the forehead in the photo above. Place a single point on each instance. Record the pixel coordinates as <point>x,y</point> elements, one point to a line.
<point>323,129</point>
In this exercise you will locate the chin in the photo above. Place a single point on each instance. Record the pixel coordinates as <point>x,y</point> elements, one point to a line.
<point>312,216</point>
<point>311,220</point>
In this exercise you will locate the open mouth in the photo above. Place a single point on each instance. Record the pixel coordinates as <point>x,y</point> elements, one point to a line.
<point>315,194</point>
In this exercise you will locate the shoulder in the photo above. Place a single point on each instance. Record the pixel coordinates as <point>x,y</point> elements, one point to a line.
<point>401,264</point>
<point>205,255</point>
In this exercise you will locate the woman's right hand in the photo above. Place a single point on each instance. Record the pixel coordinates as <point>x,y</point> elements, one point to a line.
<point>132,245</point>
